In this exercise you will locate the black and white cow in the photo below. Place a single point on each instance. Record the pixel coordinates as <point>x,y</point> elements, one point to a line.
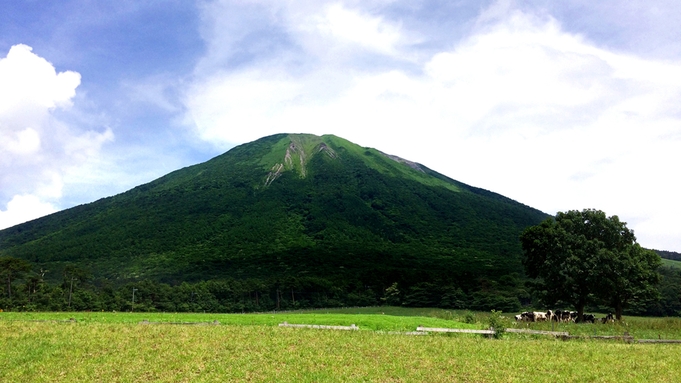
<point>572,316</point>
<point>525,317</point>
<point>531,316</point>
<point>562,316</point>
<point>550,316</point>
<point>558,316</point>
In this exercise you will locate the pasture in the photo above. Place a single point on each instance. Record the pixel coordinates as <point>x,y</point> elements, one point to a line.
<point>671,263</point>
<point>108,347</point>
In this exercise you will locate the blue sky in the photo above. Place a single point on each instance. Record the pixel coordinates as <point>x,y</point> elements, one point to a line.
<point>559,105</point>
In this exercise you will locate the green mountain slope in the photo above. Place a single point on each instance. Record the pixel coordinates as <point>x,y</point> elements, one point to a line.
<point>288,206</point>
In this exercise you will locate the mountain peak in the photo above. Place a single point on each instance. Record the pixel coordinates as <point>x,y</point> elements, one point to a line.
<point>293,152</point>
<point>301,148</point>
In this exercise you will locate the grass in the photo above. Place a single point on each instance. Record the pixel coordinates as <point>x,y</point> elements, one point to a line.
<point>250,347</point>
<point>374,321</point>
<point>671,263</point>
<point>372,318</point>
<point>639,328</point>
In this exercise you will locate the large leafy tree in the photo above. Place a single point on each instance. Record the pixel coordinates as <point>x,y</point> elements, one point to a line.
<point>629,276</point>
<point>584,257</point>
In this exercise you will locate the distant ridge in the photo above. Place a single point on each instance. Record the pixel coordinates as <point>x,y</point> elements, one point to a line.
<point>669,255</point>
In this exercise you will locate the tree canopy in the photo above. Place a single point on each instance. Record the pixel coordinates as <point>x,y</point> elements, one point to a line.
<point>10,269</point>
<point>584,257</point>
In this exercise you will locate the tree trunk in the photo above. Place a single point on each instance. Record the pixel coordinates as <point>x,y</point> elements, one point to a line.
<point>9,286</point>
<point>580,312</point>
<point>619,307</point>
<point>71,292</point>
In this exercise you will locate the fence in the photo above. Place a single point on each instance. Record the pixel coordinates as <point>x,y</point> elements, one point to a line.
<point>70,320</point>
<point>213,323</point>
<point>678,341</point>
<point>457,330</point>
<point>537,332</point>
<point>351,327</point>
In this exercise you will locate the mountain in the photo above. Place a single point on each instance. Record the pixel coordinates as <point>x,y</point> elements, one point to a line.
<point>289,206</point>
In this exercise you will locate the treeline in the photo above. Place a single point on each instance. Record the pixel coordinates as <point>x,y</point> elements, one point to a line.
<point>669,255</point>
<point>27,289</point>
<point>669,302</point>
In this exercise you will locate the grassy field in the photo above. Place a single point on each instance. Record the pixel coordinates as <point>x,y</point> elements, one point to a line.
<point>107,347</point>
<point>396,319</point>
<point>671,263</point>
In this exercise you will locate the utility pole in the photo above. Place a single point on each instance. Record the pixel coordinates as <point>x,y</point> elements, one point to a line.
<point>132,307</point>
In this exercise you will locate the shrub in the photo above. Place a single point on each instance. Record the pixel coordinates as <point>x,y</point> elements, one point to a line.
<point>496,322</point>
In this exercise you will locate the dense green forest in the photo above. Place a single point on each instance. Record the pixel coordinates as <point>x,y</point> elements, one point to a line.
<point>79,291</point>
<point>285,221</point>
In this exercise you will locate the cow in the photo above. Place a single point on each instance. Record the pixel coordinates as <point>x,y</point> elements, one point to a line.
<point>608,318</point>
<point>572,316</point>
<point>531,316</point>
<point>534,316</point>
<point>562,316</point>
<point>525,317</point>
<point>550,316</point>
<point>566,316</point>
<point>558,315</point>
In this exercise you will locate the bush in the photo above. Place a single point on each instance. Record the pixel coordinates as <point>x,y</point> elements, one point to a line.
<point>469,317</point>
<point>496,323</point>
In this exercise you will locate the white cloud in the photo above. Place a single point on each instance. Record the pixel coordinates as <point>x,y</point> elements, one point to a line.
<point>24,142</point>
<point>23,208</point>
<point>36,149</point>
<point>520,107</point>
<point>31,82</point>
<point>352,27</point>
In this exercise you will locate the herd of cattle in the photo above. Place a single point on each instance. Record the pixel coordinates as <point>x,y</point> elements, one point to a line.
<point>560,316</point>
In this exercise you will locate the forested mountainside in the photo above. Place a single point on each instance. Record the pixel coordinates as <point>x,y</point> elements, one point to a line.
<point>290,207</point>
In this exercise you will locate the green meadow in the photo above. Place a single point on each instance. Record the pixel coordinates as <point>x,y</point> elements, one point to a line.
<point>115,347</point>
<point>671,263</point>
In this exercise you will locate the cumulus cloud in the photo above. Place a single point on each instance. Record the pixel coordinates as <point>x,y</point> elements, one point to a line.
<point>36,148</point>
<point>519,106</point>
<point>31,83</point>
